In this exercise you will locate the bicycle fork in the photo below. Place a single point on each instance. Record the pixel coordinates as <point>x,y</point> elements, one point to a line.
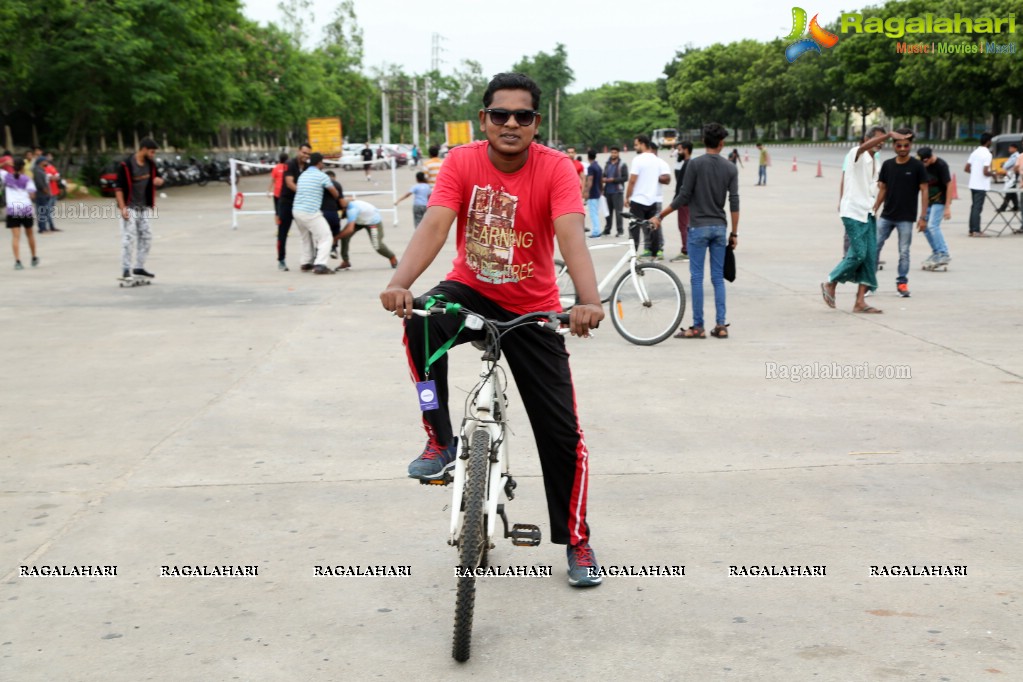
<point>488,413</point>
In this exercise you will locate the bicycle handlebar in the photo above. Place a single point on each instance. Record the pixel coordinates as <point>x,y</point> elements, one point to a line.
<point>445,308</point>
<point>633,219</point>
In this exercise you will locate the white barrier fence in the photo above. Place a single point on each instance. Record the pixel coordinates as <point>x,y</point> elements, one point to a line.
<point>238,198</point>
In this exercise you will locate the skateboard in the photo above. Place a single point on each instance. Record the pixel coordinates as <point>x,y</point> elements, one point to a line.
<point>133,281</point>
<point>934,267</point>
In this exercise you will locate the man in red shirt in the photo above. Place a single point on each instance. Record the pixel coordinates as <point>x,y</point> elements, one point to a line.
<point>578,165</point>
<point>53,177</point>
<point>277,180</point>
<point>511,199</point>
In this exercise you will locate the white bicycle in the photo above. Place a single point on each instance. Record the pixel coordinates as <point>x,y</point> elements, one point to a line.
<point>647,301</point>
<point>482,479</point>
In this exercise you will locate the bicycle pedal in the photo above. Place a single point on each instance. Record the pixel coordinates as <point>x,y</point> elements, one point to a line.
<point>525,535</point>
<point>446,479</point>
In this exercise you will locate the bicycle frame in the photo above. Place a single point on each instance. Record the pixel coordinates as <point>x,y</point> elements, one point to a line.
<point>487,412</point>
<point>629,257</point>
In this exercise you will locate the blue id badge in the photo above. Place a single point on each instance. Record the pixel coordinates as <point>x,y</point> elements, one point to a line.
<point>427,391</point>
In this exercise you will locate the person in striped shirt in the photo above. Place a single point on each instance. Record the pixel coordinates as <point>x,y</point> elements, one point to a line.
<point>312,226</point>
<point>432,165</point>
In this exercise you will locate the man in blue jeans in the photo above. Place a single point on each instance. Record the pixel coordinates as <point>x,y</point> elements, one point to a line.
<point>708,179</point>
<point>900,181</point>
<point>939,207</point>
<point>591,192</point>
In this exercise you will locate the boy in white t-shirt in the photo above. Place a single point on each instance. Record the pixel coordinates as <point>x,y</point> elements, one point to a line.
<point>643,194</point>
<point>979,168</point>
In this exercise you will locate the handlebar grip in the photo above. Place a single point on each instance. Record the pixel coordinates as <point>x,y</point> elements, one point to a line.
<point>440,307</point>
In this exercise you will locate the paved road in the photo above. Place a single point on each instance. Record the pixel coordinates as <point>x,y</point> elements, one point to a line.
<point>234,415</point>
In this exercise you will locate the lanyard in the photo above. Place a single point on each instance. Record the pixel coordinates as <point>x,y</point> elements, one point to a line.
<point>430,359</point>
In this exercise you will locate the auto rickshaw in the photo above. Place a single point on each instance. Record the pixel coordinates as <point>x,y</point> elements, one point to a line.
<point>1000,152</point>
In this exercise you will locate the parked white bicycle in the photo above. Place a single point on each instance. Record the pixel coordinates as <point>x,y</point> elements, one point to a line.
<point>647,300</point>
<point>482,479</point>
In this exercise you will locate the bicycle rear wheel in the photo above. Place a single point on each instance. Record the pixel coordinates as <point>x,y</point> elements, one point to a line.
<point>648,307</point>
<point>471,541</point>
<point>566,288</point>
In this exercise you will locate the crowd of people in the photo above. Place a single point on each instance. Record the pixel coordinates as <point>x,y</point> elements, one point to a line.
<point>328,220</point>
<point>31,187</point>
<point>900,195</point>
<point>877,199</point>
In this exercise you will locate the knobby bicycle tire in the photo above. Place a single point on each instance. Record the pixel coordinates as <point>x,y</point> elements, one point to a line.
<point>648,322</point>
<point>471,541</point>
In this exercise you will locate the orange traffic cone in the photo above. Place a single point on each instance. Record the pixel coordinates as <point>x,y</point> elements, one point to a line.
<point>819,173</point>
<point>794,164</point>
<point>953,193</point>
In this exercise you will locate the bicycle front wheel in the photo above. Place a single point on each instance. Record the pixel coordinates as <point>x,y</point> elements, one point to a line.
<point>471,541</point>
<point>566,288</point>
<point>648,306</point>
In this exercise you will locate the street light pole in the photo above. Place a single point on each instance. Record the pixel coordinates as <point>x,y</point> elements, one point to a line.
<point>385,113</point>
<point>426,103</point>
<point>415,112</point>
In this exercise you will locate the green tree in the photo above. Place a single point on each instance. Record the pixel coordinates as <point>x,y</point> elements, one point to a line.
<point>553,74</point>
<point>705,85</point>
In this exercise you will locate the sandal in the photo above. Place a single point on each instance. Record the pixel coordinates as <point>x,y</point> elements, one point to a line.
<point>868,309</point>
<point>720,331</point>
<point>691,333</point>
<point>829,298</point>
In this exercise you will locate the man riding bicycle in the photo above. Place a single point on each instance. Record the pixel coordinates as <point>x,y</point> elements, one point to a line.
<point>511,198</point>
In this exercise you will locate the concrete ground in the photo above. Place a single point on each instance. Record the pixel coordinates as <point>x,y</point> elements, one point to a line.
<point>234,414</point>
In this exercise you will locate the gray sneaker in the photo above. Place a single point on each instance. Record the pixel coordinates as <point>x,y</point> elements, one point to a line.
<point>434,461</point>
<point>18,265</point>
<point>583,569</point>
<point>944,259</point>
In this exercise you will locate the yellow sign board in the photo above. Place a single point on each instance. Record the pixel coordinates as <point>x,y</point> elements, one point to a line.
<point>325,135</point>
<point>458,132</point>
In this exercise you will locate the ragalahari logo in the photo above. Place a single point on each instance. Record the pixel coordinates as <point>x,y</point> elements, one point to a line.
<point>818,36</point>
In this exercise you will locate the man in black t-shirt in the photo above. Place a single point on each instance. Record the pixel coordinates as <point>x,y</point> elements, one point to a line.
<point>898,183</point>
<point>331,209</point>
<point>287,199</point>
<point>684,150</point>
<point>367,160</point>
<point>137,182</point>
<point>939,206</point>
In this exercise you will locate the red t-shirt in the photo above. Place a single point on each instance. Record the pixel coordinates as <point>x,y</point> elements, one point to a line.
<point>578,166</point>
<point>278,176</point>
<point>505,227</point>
<point>53,175</point>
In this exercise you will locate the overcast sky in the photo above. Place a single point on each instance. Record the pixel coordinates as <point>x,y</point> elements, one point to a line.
<point>630,40</point>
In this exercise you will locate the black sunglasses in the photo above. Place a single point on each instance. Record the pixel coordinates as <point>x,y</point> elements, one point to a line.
<point>524,117</point>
